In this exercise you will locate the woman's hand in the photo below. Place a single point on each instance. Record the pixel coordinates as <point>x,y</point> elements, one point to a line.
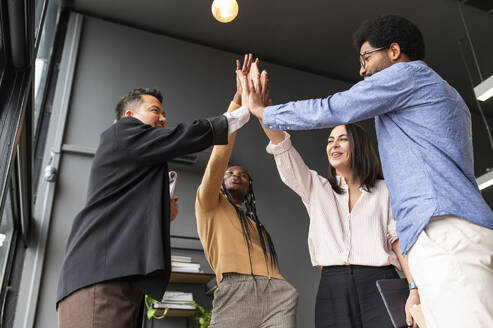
<point>412,300</point>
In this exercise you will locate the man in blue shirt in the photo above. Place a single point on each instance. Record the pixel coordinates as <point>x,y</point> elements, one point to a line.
<point>423,128</point>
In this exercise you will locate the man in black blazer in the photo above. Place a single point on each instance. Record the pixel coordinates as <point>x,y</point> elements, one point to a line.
<point>118,248</point>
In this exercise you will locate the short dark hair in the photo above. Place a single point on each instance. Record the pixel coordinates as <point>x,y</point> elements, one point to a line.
<point>363,160</point>
<point>133,98</point>
<point>384,30</point>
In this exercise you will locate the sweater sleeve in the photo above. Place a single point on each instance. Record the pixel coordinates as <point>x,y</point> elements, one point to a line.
<point>208,192</point>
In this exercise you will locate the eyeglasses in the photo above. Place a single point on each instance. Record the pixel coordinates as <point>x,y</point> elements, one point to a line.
<point>362,60</point>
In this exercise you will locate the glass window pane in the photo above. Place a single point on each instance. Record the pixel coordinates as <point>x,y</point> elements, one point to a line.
<point>43,57</point>
<point>38,11</point>
<point>6,234</point>
<point>3,58</point>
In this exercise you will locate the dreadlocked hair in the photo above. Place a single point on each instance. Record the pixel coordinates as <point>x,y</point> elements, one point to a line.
<point>251,212</point>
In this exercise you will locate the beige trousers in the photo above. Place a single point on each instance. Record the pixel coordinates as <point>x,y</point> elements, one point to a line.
<point>110,304</point>
<point>452,264</point>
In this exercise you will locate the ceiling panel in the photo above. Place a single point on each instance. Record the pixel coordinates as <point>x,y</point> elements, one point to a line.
<point>313,35</point>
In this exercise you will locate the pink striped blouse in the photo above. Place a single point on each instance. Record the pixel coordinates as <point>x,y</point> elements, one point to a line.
<point>336,236</point>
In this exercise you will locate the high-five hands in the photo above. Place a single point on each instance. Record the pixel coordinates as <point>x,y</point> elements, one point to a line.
<point>237,117</point>
<point>255,88</point>
<point>260,82</point>
<point>241,70</point>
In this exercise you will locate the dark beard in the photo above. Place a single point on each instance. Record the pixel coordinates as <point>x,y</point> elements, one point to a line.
<point>383,65</point>
<point>237,194</point>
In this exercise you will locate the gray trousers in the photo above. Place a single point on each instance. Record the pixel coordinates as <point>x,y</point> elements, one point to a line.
<point>245,301</point>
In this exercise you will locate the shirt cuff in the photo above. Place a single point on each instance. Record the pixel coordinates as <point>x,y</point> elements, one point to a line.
<point>391,234</point>
<point>392,239</point>
<point>281,147</point>
<point>268,117</point>
<point>237,118</point>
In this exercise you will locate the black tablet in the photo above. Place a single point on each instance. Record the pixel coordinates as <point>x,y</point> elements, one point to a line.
<point>394,293</point>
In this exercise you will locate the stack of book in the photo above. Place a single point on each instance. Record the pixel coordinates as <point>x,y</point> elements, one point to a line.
<point>176,300</point>
<point>184,264</point>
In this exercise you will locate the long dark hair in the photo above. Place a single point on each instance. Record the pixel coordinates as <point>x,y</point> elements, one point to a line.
<point>251,212</point>
<point>363,160</point>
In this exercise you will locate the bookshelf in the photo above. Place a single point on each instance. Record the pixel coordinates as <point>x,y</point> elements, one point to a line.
<point>180,313</point>
<point>187,281</point>
<point>190,278</point>
<point>176,313</point>
<point>187,278</point>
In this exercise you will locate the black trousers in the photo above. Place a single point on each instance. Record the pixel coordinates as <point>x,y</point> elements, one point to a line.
<point>348,297</point>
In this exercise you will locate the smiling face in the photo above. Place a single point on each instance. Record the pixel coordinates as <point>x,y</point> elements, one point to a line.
<point>148,111</point>
<point>339,149</point>
<point>237,182</point>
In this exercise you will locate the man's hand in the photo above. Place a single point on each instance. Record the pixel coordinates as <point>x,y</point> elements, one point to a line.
<point>255,90</point>
<point>173,208</point>
<point>247,62</point>
<point>260,82</point>
<point>412,300</point>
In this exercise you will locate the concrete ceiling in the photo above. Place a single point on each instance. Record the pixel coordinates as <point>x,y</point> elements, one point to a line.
<point>314,35</point>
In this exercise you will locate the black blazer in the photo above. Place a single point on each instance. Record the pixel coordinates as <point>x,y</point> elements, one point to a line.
<point>123,230</point>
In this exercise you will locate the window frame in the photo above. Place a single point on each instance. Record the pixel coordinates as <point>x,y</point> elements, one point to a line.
<point>40,36</point>
<point>3,45</point>
<point>6,287</point>
<point>16,104</point>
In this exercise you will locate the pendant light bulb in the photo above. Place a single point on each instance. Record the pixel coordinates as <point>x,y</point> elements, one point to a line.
<point>224,10</point>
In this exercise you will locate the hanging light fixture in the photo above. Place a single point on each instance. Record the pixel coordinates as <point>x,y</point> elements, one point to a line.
<point>486,180</point>
<point>484,90</point>
<point>224,10</point>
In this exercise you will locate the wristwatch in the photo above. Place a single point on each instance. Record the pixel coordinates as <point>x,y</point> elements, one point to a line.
<point>412,286</point>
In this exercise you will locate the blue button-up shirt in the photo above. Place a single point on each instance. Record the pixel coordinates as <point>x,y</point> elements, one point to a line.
<point>424,138</point>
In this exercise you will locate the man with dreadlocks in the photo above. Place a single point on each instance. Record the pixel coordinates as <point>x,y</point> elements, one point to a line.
<point>251,293</point>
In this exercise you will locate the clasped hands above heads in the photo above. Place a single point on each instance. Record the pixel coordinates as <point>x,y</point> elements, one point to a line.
<point>254,86</point>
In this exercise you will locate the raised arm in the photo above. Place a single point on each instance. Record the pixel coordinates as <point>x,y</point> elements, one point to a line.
<point>379,94</point>
<point>292,169</point>
<point>275,136</point>
<point>149,145</point>
<point>262,80</point>
<point>208,191</point>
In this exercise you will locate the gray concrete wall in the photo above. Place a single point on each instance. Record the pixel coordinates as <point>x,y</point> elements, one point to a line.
<point>197,82</point>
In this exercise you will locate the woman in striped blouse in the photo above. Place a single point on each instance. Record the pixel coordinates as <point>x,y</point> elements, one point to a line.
<point>352,234</point>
